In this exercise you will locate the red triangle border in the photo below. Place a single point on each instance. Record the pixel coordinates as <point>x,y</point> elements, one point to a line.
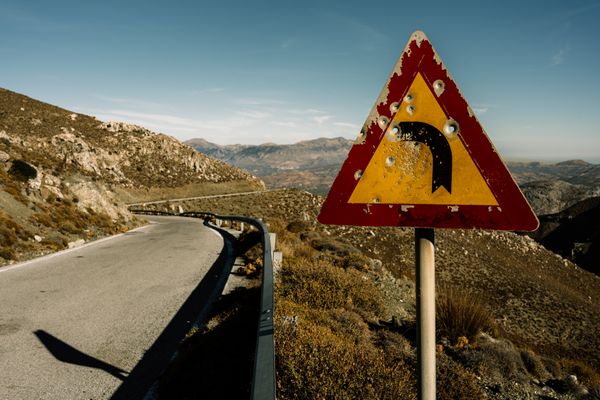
<point>513,212</point>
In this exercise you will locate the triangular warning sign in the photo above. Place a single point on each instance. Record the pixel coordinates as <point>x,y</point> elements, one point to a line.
<point>422,159</point>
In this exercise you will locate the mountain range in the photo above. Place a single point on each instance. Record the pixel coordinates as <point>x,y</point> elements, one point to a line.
<point>313,165</point>
<point>550,188</point>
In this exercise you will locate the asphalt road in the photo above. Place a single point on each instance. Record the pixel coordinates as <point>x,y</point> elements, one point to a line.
<point>102,320</point>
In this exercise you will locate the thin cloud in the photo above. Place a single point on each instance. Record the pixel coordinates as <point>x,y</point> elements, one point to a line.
<point>288,43</point>
<point>199,92</point>
<point>285,124</point>
<point>368,37</point>
<point>583,9</point>
<point>346,125</point>
<point>173,124</point>
<point>26,21</point>
<point>480,110</point>
<point>129,102</point>
<point>254,114</point>
<point>307,111</point>
<point>559,56</point>
<point>320,119</point>
<point>257,101</point>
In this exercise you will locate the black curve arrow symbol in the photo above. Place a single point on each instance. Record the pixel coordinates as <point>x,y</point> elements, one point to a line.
<point>440,150</point>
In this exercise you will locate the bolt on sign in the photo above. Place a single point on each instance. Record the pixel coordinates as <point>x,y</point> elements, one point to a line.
<point>422,159</point>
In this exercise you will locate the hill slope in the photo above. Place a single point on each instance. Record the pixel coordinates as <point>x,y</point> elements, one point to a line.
<point>334,278</point>
<point>64,176</point>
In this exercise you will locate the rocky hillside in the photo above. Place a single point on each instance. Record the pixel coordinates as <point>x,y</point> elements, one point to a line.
<point>313,165</point>
<point>551,188</point>
<point>552,196</point>
<point>574,233</point>
<point>576,172</point>
<point>310,164</point>
<point>65,176</point>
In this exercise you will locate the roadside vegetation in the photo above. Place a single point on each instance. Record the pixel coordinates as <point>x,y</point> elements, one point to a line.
<point>345,317</point>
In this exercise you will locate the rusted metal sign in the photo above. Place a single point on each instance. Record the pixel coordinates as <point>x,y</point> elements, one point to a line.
<point>422,159</point>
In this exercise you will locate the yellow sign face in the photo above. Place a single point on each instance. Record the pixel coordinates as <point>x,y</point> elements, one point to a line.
<point>401,170</point>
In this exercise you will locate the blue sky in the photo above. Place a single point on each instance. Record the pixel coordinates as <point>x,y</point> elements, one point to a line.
<point>283,71</point>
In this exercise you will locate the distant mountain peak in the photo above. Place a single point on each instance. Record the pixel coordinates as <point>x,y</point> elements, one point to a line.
<point>578,163</point>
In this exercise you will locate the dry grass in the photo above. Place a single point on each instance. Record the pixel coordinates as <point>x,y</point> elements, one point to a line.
<point>331,355</point>
<point>461,314</point>
<point>455,382</point>
<point>64,216</point>
<point>12,236</point>
<point>325,347</point>
<point>584,372</point>
<point>15,190</point>
<point>321,285</point>
<point>315,314</point>
<point>7,253</point>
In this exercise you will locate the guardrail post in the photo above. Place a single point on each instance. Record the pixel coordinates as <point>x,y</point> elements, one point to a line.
<point>272,239</point>
<point>277,262</point>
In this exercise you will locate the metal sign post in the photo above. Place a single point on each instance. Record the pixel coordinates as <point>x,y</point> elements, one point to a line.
<point>425,265</point>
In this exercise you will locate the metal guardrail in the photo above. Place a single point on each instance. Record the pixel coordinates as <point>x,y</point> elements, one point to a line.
<point>263,379</point>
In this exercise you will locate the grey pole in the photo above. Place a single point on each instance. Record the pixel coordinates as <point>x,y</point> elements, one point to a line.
<point>425,265</point>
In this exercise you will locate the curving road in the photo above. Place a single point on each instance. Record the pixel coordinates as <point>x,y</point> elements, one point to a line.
<point>101,321</point>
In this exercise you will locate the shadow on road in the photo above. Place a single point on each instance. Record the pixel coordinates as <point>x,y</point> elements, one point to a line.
<point>69,354</point>
<point>193,311</point>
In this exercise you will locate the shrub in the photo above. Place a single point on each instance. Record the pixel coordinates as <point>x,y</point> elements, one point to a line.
<point>455,382</point>
<point>43,218</point>
<point>7,236</point>
<point>357,261</point>
<point>318,284</point>
<point>334,247</point>
<point>54,243</point>
<point>7,253</point>
<point>99,220</point>
<point>14,190</point>
<point>497,359</point>
<point>462,314</point>
<point>585,373</point>
<point>534,364</point>
<point>68,227</point>
<point>315,361</point>
<point>298,226</point>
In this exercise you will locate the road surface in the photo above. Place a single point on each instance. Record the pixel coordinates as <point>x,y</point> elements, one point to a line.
<point>100,321</point>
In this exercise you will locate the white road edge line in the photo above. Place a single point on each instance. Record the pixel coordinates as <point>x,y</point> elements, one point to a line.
<point>65,251</point>
<point>213,230</point>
